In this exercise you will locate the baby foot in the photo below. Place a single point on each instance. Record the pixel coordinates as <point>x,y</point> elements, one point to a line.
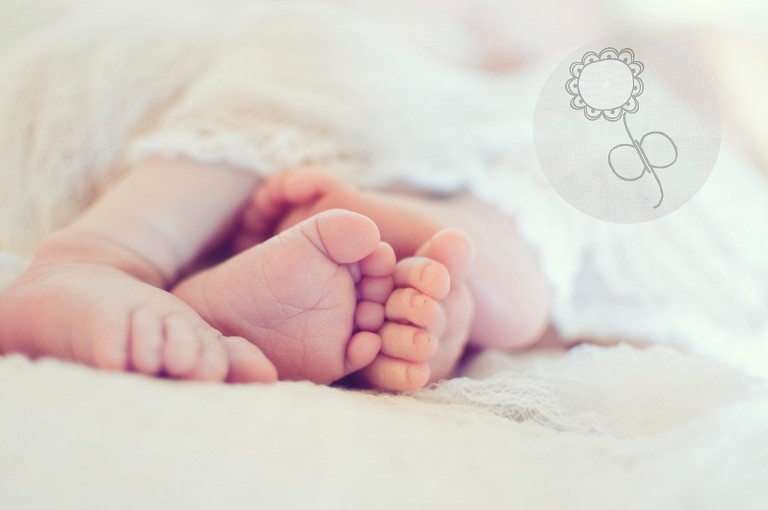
<point>290,197</point>
<point>510,293</point>
<point>295,296</point>
<point>100,316</point>
<point>429,316</point>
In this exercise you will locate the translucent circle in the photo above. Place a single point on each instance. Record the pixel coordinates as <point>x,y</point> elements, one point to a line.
<point>638,157</point>
<point>606,84</point>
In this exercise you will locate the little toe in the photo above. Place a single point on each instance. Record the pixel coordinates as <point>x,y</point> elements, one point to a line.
<point>362,349</point>
<point>410,305</point>
<point>247,364</point>
<point>392,374</point>
<point>369,316</point>
<point>110,332</point>
<point>407,342</point>
<point>258,213</point>
<point>268,206</point>
<point>182,348</point>
<point>452,248</point>
<point>146,341</point>
<point>306,185</point>
<point>426,275</point>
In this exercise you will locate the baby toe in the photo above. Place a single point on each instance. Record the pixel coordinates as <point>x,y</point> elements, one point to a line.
<point>362,349</point>
<point>343,236</point>
<point>258,214</point>
<point>306,185</point>
<point>182,347</point>
<point>270,198</point>
<point>392,374</point>
<point>426,275</point>
<point>146,341</point>
<point>410,305</point>
<point>109,332</point>
<point>381,262</point>
<point>369,316</point>
<point>247,364</point>
<point>375,288</point>
<point>213,363</point>
<point>407,342</point>
<point>452,248</point>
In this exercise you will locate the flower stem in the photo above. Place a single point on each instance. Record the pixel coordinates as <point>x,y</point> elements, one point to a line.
<point>647,166</point>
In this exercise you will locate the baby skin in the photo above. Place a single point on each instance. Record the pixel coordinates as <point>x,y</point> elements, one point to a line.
<point>337,302</point>
<point>312,302</point>
<point>500,301</point>
<point>318,297</point>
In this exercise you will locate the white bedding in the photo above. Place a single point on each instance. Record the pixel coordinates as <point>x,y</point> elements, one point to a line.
<point>593,428</point>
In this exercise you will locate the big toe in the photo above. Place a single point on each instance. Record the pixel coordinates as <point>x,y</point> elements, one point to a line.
<point>308,184</point>
<point>343,236</point>
<point>454,249</point>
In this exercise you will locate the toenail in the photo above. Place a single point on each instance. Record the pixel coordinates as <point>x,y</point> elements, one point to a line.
<point>418,300</point>
<point>428,272</point>
<point>421,338</point>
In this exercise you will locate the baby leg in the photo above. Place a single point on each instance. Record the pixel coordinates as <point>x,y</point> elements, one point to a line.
<point>94,290</point>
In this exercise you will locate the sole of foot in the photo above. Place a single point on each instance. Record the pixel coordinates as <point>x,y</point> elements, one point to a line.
<point>312,298</point>
<point>430,311</point>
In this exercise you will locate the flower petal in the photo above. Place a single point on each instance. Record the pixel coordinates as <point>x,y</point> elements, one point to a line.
<point>609,54</point>
<point>577,103</point>
<point>631,106</point>
<point>576,69</point>
<point>589,57</point>
<point>637,87</point>
<point>572,86</point>
<point>626,55</point>
<point>636,68</point>
<point>613,115</point>
<point>591,113</point>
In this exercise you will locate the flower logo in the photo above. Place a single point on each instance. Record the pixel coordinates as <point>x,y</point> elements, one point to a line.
<point>607,85</point>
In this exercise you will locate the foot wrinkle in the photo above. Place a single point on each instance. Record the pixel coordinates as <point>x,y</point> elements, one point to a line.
<point>318,245</point>
<point>301,304</point>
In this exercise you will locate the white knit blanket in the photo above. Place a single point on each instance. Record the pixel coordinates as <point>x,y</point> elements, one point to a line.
<point>592,428</point>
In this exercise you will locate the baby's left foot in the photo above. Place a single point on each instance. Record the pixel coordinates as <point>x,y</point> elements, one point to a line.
<point>510,293</point>
<point>429,316</point>
<point>430,312</point>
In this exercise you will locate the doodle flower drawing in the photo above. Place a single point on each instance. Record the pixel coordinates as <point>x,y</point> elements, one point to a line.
<point>607,85</point>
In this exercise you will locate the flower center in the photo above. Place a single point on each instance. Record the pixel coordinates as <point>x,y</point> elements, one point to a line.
<point>606,84</point>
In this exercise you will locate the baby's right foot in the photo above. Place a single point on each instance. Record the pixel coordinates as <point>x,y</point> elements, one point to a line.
<point>311,298</point>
